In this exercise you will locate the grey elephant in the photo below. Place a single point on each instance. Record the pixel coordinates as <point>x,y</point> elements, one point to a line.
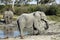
<point>32,20</point>
<point>8,16</point>
<point>40,22</point>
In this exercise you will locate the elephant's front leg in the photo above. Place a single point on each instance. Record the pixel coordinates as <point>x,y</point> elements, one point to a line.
<point>6,20</point>
<point>21,33</point>
<point>20,28</point>
<point>22,25</point>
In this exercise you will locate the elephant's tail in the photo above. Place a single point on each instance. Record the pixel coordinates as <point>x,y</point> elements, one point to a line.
<point>18,25</point>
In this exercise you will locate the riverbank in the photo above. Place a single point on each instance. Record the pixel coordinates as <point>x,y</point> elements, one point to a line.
<point>53,27</point>
<point>38,37</point>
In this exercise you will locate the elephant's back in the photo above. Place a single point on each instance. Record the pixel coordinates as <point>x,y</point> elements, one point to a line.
<point>27,19</point>
<point>26,16</point>
<point>10,13</point>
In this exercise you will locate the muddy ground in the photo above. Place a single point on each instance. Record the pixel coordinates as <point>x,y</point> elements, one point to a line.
<point>53,33</point>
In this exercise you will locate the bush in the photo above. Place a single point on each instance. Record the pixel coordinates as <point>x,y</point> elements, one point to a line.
<point>4,7</point>
<point>58,11</point>
<point>1,8</point>
<point>42,8</point>
<point>53,10</point>
<point>20,10</point>
<point>31,8</point>
<point>49,10</point>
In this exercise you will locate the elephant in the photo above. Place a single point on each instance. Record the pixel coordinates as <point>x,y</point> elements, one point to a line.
<point>8,16</point>
<point>33,21</point>
<point>40,21</point>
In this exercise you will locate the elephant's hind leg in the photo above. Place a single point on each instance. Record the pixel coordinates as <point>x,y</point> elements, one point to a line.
<point>21,25</point>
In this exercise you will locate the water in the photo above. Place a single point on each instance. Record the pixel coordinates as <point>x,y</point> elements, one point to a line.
<point>2,34</point>
<point>15,34</point>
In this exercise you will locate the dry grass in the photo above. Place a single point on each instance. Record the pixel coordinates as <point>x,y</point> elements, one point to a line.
<point>54,18</point>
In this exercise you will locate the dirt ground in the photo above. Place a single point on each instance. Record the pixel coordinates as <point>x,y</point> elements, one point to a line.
<point>38,37</point>
<point>54,35</point>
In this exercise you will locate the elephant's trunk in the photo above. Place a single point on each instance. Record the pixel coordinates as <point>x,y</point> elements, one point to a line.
<point>47,26</point>
<point>34,27</point>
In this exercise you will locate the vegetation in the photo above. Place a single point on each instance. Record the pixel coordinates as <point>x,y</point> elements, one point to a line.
<point>50,10</point>
<point>54,18</point>
<point>46,1</point>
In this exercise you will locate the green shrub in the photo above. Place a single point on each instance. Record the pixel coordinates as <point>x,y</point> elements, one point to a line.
<point>42,8</point>
<point>31,8</point>
<point>1,8</point>
<point>4,7</point>
<point>52,10</point>
<point>49,10</point>
<point>58,11</point>
<point>20,10</point>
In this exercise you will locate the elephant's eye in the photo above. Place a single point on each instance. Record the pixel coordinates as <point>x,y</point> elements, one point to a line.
<point>40,13</point>
<point>7,17</point>
<point>10,18</point>
<point>38,20</point>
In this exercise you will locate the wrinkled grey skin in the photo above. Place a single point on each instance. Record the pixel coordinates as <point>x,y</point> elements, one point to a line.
<point>40,22</point>
<point>35,21</point>
<point>8,16</point>
<point>25,21</point>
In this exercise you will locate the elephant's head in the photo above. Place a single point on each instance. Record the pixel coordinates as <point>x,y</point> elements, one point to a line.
<point>41,16</point>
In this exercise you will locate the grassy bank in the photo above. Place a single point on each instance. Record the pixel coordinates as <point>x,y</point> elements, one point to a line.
<point>54,18</point>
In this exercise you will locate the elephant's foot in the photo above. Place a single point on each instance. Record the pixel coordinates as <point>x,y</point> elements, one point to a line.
<point>22,37</point>
<point>6,38</point>
<point>36,32</point>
